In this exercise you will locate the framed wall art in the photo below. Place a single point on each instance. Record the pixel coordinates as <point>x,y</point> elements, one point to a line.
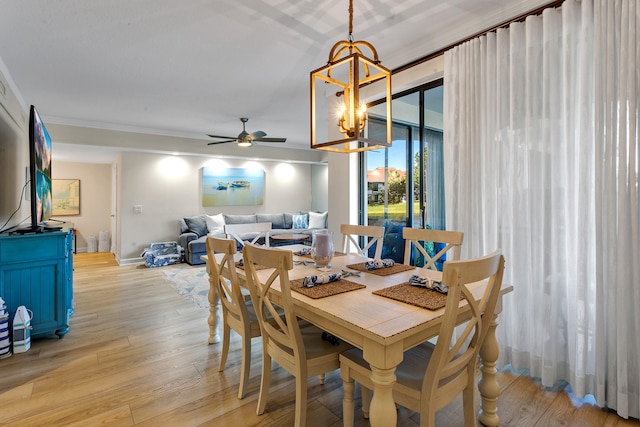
<point>66,197</point>
<point>232,187</point>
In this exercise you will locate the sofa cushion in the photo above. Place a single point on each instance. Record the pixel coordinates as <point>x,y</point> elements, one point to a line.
<point>215,223</point>
<point>197,224</point>
<point>300,221</point>
<point>276,220</point>
<point>288,220</point>
<point>198,246</point>
<point>239,219</point>
<point>318,219</point>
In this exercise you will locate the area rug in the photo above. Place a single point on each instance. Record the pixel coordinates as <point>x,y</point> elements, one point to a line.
<point>190,282</point>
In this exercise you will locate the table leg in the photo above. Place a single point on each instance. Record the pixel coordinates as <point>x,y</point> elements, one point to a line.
<point>488,385</point>
<point>383,408</point>
<point>214,310</point>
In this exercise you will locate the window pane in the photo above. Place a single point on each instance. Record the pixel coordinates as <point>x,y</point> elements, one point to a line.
<point>386,177</point>
<point>400,190</point>
<point>433,161</point>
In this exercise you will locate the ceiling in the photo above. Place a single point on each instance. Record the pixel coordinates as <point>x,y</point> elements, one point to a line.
<point>191,67</point>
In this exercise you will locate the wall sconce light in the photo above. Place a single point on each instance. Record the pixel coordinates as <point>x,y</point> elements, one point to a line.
<point>346,72</point>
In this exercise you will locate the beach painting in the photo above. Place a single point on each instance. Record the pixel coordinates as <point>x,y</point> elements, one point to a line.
<point>232,187</point>
<point>66,197</point>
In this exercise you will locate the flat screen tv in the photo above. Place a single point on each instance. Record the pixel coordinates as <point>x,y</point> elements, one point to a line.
<point>39,173</point>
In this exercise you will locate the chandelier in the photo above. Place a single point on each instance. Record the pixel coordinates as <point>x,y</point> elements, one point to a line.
<point>346,72</point>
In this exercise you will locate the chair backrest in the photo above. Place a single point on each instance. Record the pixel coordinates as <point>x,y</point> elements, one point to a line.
<point>237,230</point>
<point>283,338</point>
<point>228,290</point>
<point>414,237</point>
<point>454,359</point>
<point>350,234</point>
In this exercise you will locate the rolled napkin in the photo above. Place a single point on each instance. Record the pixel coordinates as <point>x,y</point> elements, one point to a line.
<point>320,279</point>
<point>303,252</point>
<point>425,282</point>
<point>379,263</point>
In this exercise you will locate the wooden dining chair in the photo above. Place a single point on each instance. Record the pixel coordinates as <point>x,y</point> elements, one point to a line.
<point>416,237</point>
<point>430,376</point>
<point>295,345</point>
<point>237,313</point>
<point>351,233</point>
<point>258,229</point>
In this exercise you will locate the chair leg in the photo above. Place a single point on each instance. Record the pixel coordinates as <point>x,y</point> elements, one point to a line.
<point>264,381</point>
<point>321,378</point>
<point>366,401</point>
<point>468,402</point>
<point>347,398</point>
<point>226,337</point>
<point>245,365</point>
<point>428,418</point>
<point>301,401</point>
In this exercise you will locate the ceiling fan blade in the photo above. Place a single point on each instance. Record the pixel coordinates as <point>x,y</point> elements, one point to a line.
<point>257,134</point>
<point>221,142</point>
<point>223,137</point>
<point>271,139</point>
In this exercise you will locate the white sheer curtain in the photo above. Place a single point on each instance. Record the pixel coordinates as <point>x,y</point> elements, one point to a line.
<point>541,160</point>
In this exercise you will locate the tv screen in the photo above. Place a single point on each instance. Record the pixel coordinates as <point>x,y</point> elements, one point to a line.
<point>39,169</point>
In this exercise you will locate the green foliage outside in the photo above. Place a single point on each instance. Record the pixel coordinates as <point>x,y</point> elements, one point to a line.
<point>396,210</point>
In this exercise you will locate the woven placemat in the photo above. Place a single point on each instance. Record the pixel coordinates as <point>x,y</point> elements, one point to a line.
<point>309,255</point>
<point>326,289</point>
<point>258,267</point>
<point>414,295</point>
<point>385,271</point>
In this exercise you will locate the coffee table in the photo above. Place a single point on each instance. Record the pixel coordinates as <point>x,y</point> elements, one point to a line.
<point>290,238</point>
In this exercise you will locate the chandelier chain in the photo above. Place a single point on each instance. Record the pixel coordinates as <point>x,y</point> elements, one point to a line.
<point>350,20</point>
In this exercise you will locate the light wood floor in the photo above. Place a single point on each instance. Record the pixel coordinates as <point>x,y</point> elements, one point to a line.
<point>137,354</point>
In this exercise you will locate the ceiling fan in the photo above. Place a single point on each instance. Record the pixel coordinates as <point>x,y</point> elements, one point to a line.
<point>245,139</point>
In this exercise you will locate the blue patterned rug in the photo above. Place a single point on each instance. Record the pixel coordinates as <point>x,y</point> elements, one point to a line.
<point>190,282</point>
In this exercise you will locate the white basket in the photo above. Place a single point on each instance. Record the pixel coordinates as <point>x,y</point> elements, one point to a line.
<point>92,244</point>
<point>103,243</point>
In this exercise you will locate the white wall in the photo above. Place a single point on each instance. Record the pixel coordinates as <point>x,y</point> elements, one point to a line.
<point>14,155</point>
<point>168,187</point>
<point>343,200</point>
<point>95,198</point>
<point>319,188</point>
<point>14,160</point>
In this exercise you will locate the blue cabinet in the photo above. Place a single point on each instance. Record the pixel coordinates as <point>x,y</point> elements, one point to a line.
<point>36,270</point>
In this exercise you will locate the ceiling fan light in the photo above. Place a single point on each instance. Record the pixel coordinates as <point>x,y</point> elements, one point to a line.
<point>244,144</point>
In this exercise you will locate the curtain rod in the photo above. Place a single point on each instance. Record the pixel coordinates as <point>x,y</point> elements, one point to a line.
<point>522,17</point>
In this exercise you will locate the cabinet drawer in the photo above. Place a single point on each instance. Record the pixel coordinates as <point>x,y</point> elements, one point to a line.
<point>28,248</point>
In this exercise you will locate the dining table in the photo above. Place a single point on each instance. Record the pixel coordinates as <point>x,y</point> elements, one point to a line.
<point>382,327</point>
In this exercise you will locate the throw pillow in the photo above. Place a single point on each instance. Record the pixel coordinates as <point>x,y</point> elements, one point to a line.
<point>300,221</point>
<point>215,223</point>
<point>318,220</point>
<point>197,224</point>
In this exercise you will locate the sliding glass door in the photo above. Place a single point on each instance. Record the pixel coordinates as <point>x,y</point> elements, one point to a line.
<point>404,184</point>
